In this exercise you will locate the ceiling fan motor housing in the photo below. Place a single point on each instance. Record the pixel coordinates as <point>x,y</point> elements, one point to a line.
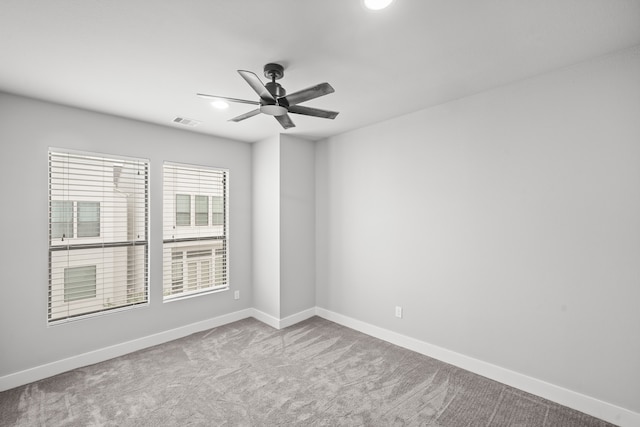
<point>273,71</point>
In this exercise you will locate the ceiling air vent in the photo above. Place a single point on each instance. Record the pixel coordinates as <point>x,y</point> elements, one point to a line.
<point>186,122</point>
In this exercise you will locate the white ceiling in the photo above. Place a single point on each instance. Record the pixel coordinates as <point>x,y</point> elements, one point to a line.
<point>146,59</point>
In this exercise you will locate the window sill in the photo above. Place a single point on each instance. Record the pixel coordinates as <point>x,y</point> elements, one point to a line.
<point>193,294</point>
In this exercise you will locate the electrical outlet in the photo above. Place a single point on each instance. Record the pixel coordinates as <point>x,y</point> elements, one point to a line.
<point>236,295</point>
<point>398,311</point>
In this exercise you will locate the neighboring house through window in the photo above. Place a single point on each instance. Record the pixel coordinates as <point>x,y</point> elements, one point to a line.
<point>195,230</point>
<point>98,234</point>
<point>71,219</point>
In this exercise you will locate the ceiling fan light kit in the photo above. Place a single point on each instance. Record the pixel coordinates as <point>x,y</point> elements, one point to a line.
<point>274,100</point>
<point>273,110</point>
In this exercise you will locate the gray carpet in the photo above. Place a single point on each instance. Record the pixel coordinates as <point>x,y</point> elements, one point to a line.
<point>316,373</point>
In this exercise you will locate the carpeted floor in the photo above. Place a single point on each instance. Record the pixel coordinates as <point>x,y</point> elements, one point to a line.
<point>316,373</point>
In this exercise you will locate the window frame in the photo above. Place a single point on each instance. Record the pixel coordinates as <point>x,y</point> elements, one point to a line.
<point>197,181</point>
<point>117,243</point>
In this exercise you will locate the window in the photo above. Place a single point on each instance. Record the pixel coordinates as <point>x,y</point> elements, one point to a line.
<point>183,210</point>
<point>202,210</point>
<point>79,283</point>
<point>71,219</point>
<point>61,219</point>
<point>195,230</point>
<point>218,210</point>
<point>198,269</point>
<point>98,228</point>
<point>88,219</point>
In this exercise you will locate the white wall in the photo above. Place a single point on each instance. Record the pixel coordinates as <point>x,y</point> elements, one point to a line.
<point>27,129</point>
<point>506,224</point>
<point>266,226</point>
<point>283,226</point>
<point>297,225</point>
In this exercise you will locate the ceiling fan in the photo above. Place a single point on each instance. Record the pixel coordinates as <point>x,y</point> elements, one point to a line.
<point>274,100</point>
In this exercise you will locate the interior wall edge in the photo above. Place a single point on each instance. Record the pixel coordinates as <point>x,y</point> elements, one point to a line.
<point>297,317</point>
<point>265,318</point>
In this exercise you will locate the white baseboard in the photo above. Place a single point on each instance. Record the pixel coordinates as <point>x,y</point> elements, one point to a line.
<point>265,318</point>
<point>276,323</point>
<point>586,404</point>
<point>54,368</point>
<point>297,317</point>
<point>59,366</point>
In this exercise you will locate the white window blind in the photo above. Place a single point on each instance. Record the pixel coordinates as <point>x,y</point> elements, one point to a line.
<point>195,230</point>
<point>98,234</point>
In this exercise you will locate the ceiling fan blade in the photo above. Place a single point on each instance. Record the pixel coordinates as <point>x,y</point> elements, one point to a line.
<point>285,121</point>
<point>256,84</point>
<point>242,101</point>
<point>309,93</point>
<point>315,112</point>
<point>245,115</point>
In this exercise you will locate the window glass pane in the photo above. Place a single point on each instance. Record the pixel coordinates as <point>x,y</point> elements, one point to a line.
<point>79,283</point>
<point>61,219</point>
<point>218,210</point>
<point>88,219</point>
<point>183,210</point>
<point>202,210</point>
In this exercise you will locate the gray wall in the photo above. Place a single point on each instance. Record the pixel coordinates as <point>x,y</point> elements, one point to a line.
<point>27,129</point>
<point>283,226</point>
<point>266,226</point>
<point>297,225</point>
<point>506,224</point>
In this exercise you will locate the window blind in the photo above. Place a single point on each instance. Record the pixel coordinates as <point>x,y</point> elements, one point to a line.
<point>98,234</point>
<point>195,230</point>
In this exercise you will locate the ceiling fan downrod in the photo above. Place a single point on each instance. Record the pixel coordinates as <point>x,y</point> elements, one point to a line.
<point>274,72</point>
<point>279,107</point>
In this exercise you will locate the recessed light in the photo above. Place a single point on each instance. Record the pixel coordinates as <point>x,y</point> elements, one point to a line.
<point>377,4</point>
<point>220,104</point>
